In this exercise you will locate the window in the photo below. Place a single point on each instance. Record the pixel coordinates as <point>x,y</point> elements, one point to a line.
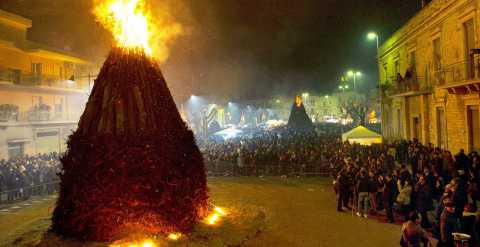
<point>469,44</point>
<point>417,129</point>
<point>396,68</point>
<point>437,54</point>
<point>441,128</point>
<point>37,69</point>
<point>37,101</point>
<point>15,149</point>
<point>473,128</point>
<point>15,75</point>
<point>399,123</point>
<point>59,106</point>
<point>413,59</point>
<point>36,73</point>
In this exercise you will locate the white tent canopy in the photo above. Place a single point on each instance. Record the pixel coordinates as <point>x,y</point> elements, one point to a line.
<point>362,135</point>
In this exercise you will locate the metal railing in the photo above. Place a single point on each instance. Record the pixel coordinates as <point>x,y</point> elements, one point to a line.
<point>25,192</point>
<point>458,72</point>
<point>227,168</point>
<point>39,116</point>
<point>29,79</point>
<point>413,84</point>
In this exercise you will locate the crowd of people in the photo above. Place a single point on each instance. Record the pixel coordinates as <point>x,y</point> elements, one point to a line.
<point>429,188</point>
<point>267,153</point>
<point>24,176</point>
<point>425,185</point>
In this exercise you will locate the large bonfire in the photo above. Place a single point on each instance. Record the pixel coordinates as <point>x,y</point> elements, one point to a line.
<point>132,166</point>
<point>299,121</point>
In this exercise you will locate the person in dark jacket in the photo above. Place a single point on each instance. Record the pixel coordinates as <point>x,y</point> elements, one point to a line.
<point>389,195</point>
<point>468,224</point>
<point>363,189</point>
<point>461,161</point>
<point>448,224</point>
<point>460,196</point>
<point>422,192</point>
<point>343,187</point>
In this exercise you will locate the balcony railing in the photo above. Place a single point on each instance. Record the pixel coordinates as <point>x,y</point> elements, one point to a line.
<point>10,76</point>
<point>39,116</point>
<point>463,71</point>
<point>405,86</point>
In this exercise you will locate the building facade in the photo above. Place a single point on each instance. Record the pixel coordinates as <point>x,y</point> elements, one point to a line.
<point>40,100</point>
<point>430,77</point>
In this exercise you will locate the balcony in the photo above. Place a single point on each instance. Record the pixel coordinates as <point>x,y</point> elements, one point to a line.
<point>8,112</point>
<point>10,115</point>
<point>37,116</point>
<point>460,78</point>
<point>16,77</point>
<point>407,87</point>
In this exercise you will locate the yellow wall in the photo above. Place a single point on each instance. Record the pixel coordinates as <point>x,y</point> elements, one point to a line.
<point>441,19</point>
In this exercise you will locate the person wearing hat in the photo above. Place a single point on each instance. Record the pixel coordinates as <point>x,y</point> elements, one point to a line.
<point>448,224</point>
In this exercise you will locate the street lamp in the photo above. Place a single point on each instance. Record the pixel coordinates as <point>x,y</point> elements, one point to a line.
<point>354,74</point>
<point>373,36</point>
<point>343,88</point>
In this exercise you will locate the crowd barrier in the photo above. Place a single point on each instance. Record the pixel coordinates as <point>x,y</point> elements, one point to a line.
<point>227,168</point>
<point>214,169</point>
<point>24,193</point>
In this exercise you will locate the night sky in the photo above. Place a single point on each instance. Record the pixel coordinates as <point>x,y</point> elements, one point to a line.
<point>242,49</point>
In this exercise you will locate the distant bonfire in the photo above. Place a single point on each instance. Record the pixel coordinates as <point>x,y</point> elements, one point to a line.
<point>132,166</point>
<point>299,120</point>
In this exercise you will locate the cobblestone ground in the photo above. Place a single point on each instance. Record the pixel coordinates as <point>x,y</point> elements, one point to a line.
<point>300,212</point>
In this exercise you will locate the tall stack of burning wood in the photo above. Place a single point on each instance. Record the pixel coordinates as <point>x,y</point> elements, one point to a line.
<point>299,121</point>
<point>132,166</point>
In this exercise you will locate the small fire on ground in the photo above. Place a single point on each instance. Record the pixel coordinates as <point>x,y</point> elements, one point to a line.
<point>217,214</point>
<point>212,219</point>
<point>144,243</point>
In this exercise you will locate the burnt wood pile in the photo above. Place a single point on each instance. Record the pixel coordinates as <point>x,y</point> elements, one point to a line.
<point>132,166</point>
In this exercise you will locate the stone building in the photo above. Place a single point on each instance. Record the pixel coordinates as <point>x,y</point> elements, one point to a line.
<point>430,77</point>
<point>40,100</point>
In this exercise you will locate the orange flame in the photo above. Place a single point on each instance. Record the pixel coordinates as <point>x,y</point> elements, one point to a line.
<point>129,22</point>
<point>140,26</point>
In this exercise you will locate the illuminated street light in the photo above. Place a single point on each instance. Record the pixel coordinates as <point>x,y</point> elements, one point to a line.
<point>373,36</point>
<point>305,95</point>
<point>326,96</point>
<point>354,74</point>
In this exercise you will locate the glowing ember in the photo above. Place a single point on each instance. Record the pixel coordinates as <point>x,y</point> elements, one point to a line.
<point>212,219</point>
<point>144,243</point>
<point>220,211</point>
<point>174,236</point>
<point>128,21</point>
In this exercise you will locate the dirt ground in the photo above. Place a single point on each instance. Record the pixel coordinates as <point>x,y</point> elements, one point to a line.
<point>302,212</point>
<point>299,212</point>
